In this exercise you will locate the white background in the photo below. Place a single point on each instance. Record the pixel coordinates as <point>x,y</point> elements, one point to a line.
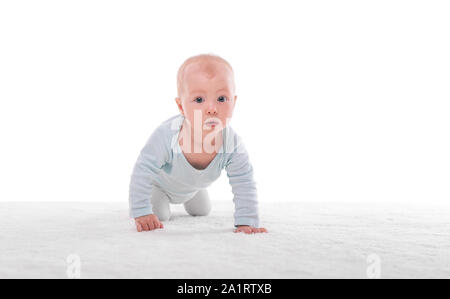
<point>338,101</point>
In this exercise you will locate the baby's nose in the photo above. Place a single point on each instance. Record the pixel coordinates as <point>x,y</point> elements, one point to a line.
<point>211,109</point>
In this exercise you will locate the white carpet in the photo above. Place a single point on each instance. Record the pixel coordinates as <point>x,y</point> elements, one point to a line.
<point>304,241</point>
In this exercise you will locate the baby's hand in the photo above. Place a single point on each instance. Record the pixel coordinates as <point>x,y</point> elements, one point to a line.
<point>250,229</point>
<point>148,222</point>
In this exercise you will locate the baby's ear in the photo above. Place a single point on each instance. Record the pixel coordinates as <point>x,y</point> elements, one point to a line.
<point>180,107</point>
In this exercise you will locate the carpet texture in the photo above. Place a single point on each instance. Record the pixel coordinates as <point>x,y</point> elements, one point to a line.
<point>305,240</point>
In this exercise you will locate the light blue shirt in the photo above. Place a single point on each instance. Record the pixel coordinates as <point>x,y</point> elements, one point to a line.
<point>163,163</point>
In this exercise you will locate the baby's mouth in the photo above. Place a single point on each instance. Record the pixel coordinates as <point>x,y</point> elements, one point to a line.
<point>211,122</point>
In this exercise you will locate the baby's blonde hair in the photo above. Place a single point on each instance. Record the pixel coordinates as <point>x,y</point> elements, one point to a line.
<point>207,60</point>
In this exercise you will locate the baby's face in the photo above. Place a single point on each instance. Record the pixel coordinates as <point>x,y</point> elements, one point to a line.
<point>208,95</point>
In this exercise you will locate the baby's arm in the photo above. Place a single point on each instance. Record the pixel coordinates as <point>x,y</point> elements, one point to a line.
<point>149,163</point>
<point>240,175</point>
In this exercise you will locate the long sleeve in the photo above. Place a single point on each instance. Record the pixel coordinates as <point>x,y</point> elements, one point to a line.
<point>240,175</point>
<point>152,158</point>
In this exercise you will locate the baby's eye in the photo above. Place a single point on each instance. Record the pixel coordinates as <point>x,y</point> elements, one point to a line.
<point>198,99</point>
<point>222,99</point>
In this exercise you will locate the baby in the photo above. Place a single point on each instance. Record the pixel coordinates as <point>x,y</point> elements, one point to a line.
<point>188,152</point>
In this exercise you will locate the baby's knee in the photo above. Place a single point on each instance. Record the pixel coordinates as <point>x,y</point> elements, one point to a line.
<point>163,215</point>
<point>198,207</point>
<point>160,204</point>
<point>199,211</point>
<point>162,210</point>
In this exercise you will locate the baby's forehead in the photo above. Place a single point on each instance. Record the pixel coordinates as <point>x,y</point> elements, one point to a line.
<point>208,68</point>
<point>197,72</point>
<point>199,75</point>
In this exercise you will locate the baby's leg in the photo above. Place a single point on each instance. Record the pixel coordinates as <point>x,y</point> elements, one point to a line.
<point>199,205</point>
<point>160,204</point>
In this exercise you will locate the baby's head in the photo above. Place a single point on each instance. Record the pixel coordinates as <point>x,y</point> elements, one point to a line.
<point>206,90</point>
